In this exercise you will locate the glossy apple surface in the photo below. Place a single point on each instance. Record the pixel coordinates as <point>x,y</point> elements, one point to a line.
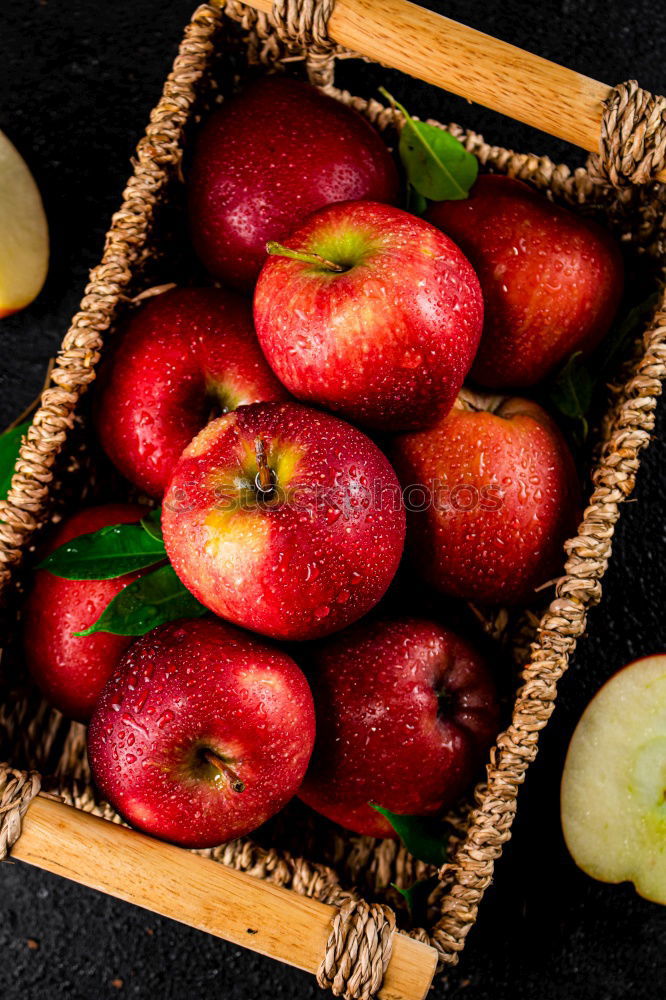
<point>614,781</point>
<point>307,558</point>
<point>72,670</point>
<point>552,280</point>
<point>24,234</point>
<point>491,496</point>
<point>386,342</point>
<point>405,711</point>
<point>184,355</point>
<point>268,158</point>
<point>202,733</point>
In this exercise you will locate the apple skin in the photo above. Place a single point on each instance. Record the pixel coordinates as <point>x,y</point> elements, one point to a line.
<point>612,796</point>
<point>306,564</point>
<point>188,687</point>
<point>72,670</point>
<point>268,158</point>
<point>551,280</point>
<point>386,343</point>
<point>505,496</point>
<point>182,353</point>
<point>383,735</point>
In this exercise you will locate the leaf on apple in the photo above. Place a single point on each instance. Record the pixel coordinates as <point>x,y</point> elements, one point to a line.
<point>423,836</point>
<point>152,523</point>
<point>572,390</point>
<point>113,551</point>
<point>437,165</point>
<point>573,387</point>
<point>416,897</point>
<point>10,444</point>
<point>152,600</point>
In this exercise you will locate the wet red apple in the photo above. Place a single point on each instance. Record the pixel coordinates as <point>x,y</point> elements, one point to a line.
<point>372,313</point>
<point>284,520</point>
<point>551,279</point>
<point>405,711</point>
<point>492,494</point>
<point>184,355</point>
<point>268,158</point>
<point>202,733</point>
<point>71,670</point>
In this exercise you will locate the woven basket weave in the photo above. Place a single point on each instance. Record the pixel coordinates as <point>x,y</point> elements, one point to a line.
<point>220,44</point>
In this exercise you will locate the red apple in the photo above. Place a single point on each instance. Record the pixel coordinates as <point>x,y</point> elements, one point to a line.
<point>405,710</point>
<point>388,336</point>
<point>72,670</point>
<point>551,280</point>
<point>493,495</point>
<point>268,158</point>
<point>183,354</point>
<point>202,733</point>
<point>284,520</point>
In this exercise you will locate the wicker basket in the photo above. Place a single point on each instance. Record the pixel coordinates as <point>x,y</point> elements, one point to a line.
<point>351,944</point>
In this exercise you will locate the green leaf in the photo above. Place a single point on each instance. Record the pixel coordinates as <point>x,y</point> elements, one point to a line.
<point>437,165</point>
<point>152,523</point>
<point>416,203</point>
<point>416,896</point>
<point>105,554</point>
<point>422,835</point>
<point>150,601</point>
<point>10,443</point>
<point>572,390</point>
<point>625,329</point>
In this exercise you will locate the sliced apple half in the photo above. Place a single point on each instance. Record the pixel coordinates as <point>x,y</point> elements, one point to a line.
<point>24,236</point>
<point>613,800</point>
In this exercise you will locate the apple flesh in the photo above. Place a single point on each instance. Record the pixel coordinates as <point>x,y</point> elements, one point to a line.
<point>24,235</point>
<point>312,551</point>
<point>202,733</point>
<point>491,496</point>
<point>613,799</point>
<point>552,280</point>
<point>387,337</point>
<point>405,711</point>
<point>184,354</point>
<point>71,670</point>
<point>268,158</point>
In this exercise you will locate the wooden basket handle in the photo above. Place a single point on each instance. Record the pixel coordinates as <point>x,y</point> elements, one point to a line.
<point>201,893</point>
<point>471,64</point>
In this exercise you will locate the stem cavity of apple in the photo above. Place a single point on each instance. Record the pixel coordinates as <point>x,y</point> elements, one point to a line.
<point>226,772</point>
<point>277,250</point>
<point>264,479</point>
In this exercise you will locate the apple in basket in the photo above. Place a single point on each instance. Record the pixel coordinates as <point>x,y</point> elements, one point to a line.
<point>184,356</point>
<point>202,733</point>
<point>492,494</point>
<point>284,520</point>
<point>71,670</point>
<point>265,160</point>
<point>551,279</point>
<point>370,312</point>
<point>405,711</point>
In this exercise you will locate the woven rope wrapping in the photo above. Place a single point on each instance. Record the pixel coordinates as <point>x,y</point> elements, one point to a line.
<point>632,148</point>
<point>17,790</point>
<point>358,950</point>
<point>360,939</point>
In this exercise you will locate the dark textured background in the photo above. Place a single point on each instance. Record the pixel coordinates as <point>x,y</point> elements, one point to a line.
<point>77,81</point>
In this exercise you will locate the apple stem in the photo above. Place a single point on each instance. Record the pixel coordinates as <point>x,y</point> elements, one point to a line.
<point>216,761</point>
<point>264,477</point>
<point>277,250</point>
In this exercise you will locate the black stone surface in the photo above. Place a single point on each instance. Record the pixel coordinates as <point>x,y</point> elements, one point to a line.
<point>77,81</point>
